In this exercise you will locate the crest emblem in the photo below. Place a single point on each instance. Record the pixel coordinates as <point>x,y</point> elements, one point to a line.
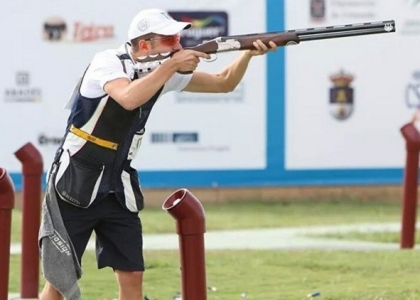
<point>341,96</point>
<point>143,25</point>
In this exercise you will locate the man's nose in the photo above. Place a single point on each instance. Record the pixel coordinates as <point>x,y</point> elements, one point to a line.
<point>177,46</point>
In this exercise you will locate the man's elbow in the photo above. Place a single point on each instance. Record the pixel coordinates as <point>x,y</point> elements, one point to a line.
<point>227,82</point>
<point>120,91</point>
<point>129,106</point>
<point>127,103</point>
<point>224,85</point>
<point>228,87</point>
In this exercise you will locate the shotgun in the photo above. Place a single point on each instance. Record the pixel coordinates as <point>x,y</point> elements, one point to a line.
<point>282,38</point>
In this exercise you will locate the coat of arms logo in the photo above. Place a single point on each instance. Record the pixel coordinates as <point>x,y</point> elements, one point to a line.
<point>341,95</point>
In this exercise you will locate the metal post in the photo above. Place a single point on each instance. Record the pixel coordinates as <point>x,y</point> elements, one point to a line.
<point>409,205</point>
<point>31,160</point>
<point>187,210</point>
<point>7,203</point>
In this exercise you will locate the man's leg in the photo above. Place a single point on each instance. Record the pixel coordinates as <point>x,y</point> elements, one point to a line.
<point>130,285</point>
<point>119,245</point>
<point>50,293</point>
<point>79,223</point>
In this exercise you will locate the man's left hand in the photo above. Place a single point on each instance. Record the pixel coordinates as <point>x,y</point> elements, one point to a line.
<point>261,48</point>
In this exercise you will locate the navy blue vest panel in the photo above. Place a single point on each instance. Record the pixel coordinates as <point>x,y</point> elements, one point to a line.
<point>117,125</point>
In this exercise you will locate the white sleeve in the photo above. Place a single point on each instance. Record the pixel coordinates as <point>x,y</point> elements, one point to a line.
<point>177,82</point>
<point>104,67</point>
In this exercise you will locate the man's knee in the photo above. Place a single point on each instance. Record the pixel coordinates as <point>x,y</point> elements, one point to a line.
<point>50,293</point>
<point>128,279</point>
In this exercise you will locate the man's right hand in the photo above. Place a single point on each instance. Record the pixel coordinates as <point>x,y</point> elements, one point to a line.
<point>186,61</point>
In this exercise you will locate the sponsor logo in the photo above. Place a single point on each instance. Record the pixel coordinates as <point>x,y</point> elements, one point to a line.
<point>341,96</point>
<point>202,149</point>
<point>174,137</point>
<point>60,243</point>
<point>69,198</point>
<point>206,25</point>
<point>144,25</point>
<point>45,140</point>
<point>23,91</point>
<point>186,142</point>
<point>56,29</point>
<point>412,91</point>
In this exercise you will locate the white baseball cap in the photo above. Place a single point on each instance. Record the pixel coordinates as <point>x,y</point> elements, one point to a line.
<point>155,21</point>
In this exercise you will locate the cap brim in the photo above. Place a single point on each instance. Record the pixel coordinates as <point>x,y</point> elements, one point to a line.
<point>174,28</point>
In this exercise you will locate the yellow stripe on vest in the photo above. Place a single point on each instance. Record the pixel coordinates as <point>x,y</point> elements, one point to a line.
<point>93,139</point>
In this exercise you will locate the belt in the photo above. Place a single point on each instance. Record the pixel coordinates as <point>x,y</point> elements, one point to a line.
<point>93,139</point>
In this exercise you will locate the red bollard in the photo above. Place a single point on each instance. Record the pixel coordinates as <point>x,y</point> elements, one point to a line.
<point>187,210</point>
<point>31,160</point>
<point>409,211</point>
<point>7,203</point>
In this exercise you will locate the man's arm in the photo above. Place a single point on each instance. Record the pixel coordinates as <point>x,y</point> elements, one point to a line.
<point>227,80</point>
<point>131,95</point>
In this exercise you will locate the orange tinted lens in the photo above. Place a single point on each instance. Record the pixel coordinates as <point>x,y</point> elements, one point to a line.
<point>170,40</point>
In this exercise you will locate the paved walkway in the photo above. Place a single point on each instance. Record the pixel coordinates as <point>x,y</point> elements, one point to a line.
<point>272,238</point>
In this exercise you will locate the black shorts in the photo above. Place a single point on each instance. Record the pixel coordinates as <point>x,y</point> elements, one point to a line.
<point>119,241</point>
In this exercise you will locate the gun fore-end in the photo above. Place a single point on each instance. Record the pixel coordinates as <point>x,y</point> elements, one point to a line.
<point>280,39</point>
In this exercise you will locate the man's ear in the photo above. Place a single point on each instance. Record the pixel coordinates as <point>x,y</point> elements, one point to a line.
<point>143,45</point>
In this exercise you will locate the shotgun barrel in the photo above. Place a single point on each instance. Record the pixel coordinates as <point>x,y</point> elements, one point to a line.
<point>328,32</point>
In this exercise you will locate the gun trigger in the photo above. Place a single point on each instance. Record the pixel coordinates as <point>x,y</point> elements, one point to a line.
<point>212,58</point>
